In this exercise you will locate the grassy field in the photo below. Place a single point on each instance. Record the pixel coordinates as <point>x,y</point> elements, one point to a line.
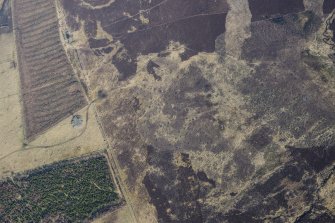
<point>68,191</point>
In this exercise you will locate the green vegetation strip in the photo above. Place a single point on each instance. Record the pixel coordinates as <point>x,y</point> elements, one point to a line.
<point>69,191</point>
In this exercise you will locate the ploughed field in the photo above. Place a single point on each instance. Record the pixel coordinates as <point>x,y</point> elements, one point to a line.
<point>68,191</point>
<point>49,88</point>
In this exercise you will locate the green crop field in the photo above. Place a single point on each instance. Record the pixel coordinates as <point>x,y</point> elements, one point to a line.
<point>69,191</point>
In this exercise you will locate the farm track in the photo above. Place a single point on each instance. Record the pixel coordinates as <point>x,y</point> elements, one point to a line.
<point>52,92</point>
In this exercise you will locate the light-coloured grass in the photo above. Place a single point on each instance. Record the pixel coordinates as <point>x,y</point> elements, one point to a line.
<point>61,142</point>
<point>11,131</point>
<point>120,215</point>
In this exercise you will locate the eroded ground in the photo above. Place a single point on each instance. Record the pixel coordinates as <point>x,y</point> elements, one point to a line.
<point>213,111</point>
<point>217,111</point>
